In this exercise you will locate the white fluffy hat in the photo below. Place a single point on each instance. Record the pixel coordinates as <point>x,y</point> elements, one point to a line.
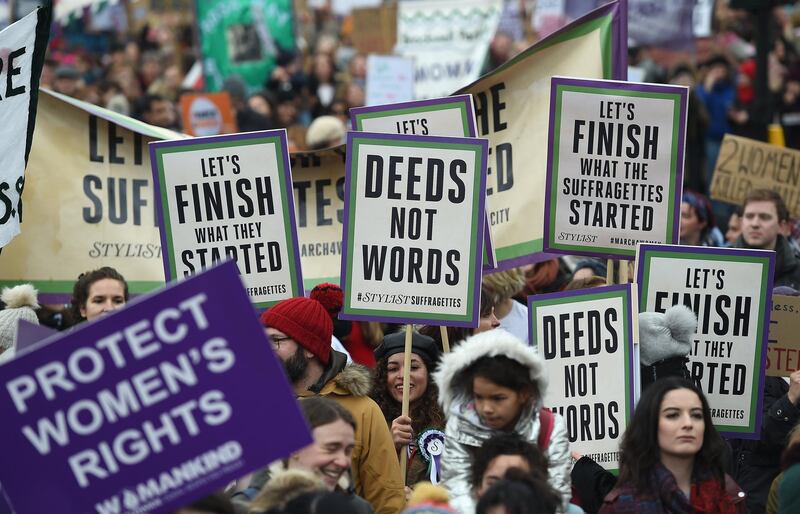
<point>20,303</point>
<point>666,335</point>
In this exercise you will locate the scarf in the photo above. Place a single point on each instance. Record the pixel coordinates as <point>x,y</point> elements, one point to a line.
<point>708,495</point>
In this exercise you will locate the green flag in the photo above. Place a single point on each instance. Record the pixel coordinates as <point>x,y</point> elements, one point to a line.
<point>244,38</point>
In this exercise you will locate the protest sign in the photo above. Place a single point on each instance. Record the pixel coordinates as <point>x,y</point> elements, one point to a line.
<point>783,350</point>
<point>208,114</point>
<point>24,44</point>
<point>390,79</point>
<point>318,180</point>
<point>87,205</point>
<point>375,29</point>
<point>729,292</point>
<point>583,337</point>
<point>402,259</point>
<point>511,110</point>
<point>744,164</point>
<point>230,197</point>
<point>448,41</point>
<point>147,408</point>
<point>29,334</point>
<point>615,162</point>
<point>244,38</point>
<point>449,116</point>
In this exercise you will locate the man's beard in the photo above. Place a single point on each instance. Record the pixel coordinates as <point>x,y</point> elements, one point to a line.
<point>296,365</point>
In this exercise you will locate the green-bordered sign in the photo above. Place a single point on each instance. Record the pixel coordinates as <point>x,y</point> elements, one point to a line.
<point>223,197</point>
<point>413,228</point>
<point>244,38</point>
<point>448,116</point>
<point>729,291</point>
<point>614,166</point>
<point>584,338</point>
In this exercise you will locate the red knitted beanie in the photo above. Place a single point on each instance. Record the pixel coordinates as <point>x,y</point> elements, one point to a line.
<point>304,320</point>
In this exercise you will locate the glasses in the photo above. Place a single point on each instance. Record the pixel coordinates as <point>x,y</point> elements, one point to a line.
<point>276,341</point>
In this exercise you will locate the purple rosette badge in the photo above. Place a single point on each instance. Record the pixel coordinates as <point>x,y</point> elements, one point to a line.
<point>431,448</point>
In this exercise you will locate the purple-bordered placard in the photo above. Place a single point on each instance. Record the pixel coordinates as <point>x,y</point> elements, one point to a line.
<point>624,292</point>
<point>463,103</point>
<point>707,255</point>
<point>176,367</point>
<point>617,91</point>
<point>285,190</point>
<point>470,318</point>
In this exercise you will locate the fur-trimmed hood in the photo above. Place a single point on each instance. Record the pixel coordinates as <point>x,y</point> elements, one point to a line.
<point>355,378</point>
<point>492,343</point>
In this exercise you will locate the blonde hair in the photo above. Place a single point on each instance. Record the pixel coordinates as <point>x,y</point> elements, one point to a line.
<point>283,487</point>
<point>503,284</point>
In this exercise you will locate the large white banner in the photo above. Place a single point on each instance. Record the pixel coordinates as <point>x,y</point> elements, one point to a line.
<point>23,45</point>
<point>448,39</point>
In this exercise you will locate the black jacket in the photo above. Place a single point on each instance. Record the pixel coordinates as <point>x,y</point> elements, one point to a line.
<point>756,463</point>
<point>787,266</point>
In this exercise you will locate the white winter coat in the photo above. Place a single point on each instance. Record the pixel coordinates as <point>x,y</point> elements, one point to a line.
<point>465,431</point>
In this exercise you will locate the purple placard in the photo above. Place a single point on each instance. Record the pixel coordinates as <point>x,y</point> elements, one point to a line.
<point>643,252</point>
<point>682,93</point>
<point>475,275</point>
<point>225,141</point>
<point>462,102</point>
<point>28,334</point>
<point>166,383</point>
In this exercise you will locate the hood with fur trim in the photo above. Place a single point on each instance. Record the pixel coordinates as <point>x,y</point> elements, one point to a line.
<point>493,343</point>
<point>353,379</point>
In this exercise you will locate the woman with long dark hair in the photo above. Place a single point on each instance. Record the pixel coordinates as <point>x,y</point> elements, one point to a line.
<point>424,412</point>
<point>671,457</point>
<point>97,293</point>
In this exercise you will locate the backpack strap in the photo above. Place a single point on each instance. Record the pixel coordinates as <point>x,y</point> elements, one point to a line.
<point>546,422</point>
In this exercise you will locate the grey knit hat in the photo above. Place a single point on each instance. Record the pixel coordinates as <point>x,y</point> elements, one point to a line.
<point>20,303</point>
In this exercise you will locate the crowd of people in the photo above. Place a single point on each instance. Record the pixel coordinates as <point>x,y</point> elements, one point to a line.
<point>477,437</point>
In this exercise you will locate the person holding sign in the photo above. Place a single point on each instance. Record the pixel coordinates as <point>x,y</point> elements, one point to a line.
<point>672,457</point>
<point>97,293</point>
<point>424,411</point>
<point>493,383</point>
<point>300,330</point>
<point>765,213</point>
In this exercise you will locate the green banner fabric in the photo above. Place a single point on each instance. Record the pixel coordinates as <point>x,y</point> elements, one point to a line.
<point>244,38</point>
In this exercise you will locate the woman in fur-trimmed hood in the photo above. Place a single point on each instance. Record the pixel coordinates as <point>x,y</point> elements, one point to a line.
<point>492,383</point>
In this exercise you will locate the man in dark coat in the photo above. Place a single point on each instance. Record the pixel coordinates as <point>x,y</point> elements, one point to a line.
<point>764,215</point>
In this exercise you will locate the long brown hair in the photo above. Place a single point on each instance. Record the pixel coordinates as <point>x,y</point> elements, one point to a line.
<point>424,413</point>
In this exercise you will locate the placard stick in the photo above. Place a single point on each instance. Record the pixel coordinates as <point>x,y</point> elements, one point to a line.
<point>445,339</point>
<point>623,272</point>
<point>610,271</point>
<point>404,412</point>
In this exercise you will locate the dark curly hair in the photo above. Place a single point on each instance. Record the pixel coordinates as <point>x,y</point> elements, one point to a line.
<point>639,451</point>
<point>507,444</point>
<point>80,292</point>
<point>424,413</point>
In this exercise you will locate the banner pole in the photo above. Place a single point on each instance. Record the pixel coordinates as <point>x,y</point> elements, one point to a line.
<point>623,272</point>
<point>445,339</point>
<point>404,412</point>
<point>610,271</point>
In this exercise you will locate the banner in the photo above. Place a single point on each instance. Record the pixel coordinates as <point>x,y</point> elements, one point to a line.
<point>744,164</point>
<point>390,79</point>
<point>88,201</point>
<point>452,116</point>
<point>584,337</point>
<point>511,107</point>
<point>230,197</point>
<point>244,38</point>
<point>615,166</point>
<point>448,40</point>
<point>403,261</point>
<point>783,350</point>
<point>729,291</point>
<point>147,408</point>
<point>208,114</point>
<point>24,44</point>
